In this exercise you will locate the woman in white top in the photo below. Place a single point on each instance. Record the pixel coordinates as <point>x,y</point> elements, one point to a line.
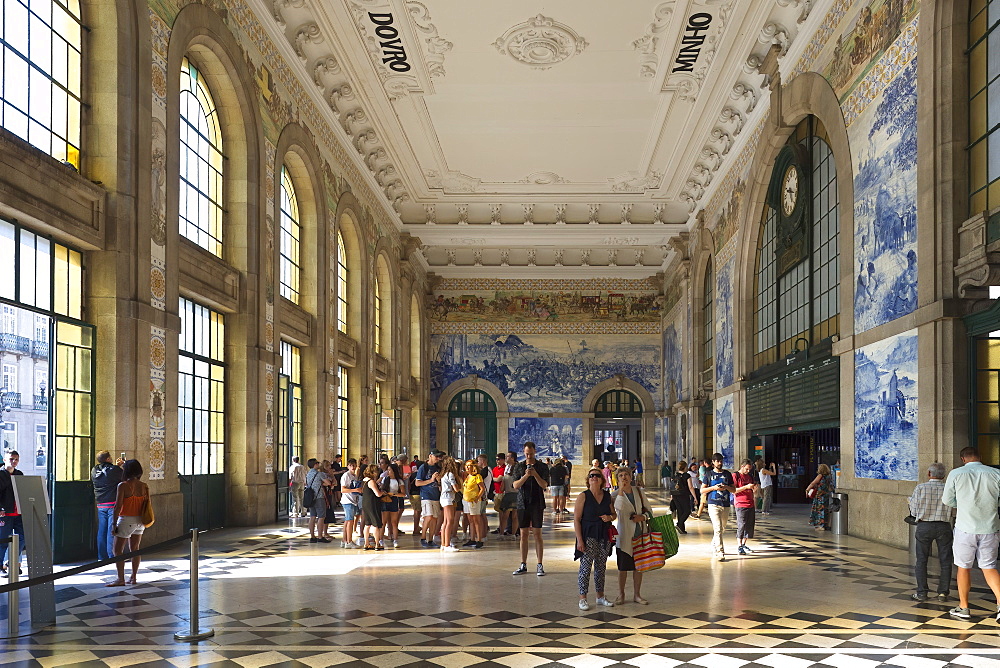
<point>766,488</point>
<point>450,491</point>
<point>630,506</point>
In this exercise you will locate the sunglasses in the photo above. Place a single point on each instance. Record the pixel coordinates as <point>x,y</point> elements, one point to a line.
<point>595,475</point>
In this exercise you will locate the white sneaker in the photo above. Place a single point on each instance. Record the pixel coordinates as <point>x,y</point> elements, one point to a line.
<point>359,542</point>
<point>584,605</point>
<point>381,543</point>
<point>450,548</point>
<point>351,546</point>
<point>395,543</point>
<point>605,602</point>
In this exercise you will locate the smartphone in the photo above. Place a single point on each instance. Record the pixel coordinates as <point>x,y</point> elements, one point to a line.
<point>123,456</point>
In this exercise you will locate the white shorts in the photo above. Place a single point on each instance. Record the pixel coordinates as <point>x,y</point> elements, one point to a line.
<point>473,507</point>
<point>968,548</point>
<point>129,526</point>
<point>430,508</point>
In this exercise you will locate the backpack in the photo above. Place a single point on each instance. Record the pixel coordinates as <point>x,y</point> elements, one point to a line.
<point>309,495</point>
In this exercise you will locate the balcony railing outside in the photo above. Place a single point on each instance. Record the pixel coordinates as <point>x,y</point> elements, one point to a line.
<point>15,344</point>
<point>10,400</point>
<point>40,349</point>
<point>41,402</point>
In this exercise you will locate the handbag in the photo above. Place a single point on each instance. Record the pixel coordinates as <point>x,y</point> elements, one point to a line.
<point>612,533</point>
<point>147,514</point>
<point>647,551</point>
<point>664,525</point>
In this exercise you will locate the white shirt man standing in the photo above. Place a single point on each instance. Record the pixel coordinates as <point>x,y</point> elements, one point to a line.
<point>297,479</point>
<point>974,489</point>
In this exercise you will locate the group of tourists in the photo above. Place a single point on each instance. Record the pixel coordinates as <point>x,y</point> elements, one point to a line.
<point>446,495</point>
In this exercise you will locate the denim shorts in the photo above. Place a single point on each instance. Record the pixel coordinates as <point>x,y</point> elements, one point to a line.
<point>558,490</point>
<point>350,511</point>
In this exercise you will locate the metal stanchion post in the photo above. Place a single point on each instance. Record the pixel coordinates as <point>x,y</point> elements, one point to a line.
<point>194,633</point>
<point>13,598</point>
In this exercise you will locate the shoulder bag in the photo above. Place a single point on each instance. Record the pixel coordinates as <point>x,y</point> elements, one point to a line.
<point>147,513</point>
<point>647,551</point>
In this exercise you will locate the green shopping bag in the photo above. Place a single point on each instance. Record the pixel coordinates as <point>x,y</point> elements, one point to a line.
<point>664,524</point>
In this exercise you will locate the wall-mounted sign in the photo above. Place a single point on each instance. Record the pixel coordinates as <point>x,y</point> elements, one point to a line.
<point>694,36</point>
<point>393,53</point>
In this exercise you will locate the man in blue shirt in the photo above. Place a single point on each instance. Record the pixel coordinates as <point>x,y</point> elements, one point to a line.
<point>429,484</point>
<point>719,487</point>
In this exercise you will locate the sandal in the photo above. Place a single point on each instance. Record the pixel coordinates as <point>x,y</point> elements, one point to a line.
<point>640,600</point>
<point>620,600</point>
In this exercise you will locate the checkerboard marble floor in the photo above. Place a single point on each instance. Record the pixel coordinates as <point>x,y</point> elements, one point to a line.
<point>801,599</point>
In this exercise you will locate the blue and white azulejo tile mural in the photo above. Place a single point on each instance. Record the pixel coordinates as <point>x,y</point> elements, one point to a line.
<point>725,435</point>
<point>673,366</point>
<point>883,140</point>
<point>545,372</point>
<point>724,325</point>
<point>885,409</point>
<point>553,437</point>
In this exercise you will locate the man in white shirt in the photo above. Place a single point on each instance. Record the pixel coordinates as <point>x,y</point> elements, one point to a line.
<point>974,489</point>
<point>297,479</point>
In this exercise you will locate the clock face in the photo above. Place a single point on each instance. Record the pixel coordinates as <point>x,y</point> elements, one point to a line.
<point>790,190</point>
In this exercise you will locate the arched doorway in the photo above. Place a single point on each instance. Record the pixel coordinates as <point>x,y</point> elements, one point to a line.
<point>472,425</point>
<point>617,426</point>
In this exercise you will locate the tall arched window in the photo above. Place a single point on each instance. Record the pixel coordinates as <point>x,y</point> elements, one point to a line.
<point>795,284</point>
<point>290,268</point>
<point>42,73</point>
<point>200,208</point>
<point>341,283</point>
<point>984,106</point>
<point>708,317</point>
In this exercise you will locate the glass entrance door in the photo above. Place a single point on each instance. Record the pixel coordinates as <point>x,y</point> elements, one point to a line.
<point>201,414</point>
<point>74,520</point>
<point>472,426</point>
<point>289,441</point>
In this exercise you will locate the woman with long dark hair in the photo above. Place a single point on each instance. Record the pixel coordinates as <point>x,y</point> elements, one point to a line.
<point>394,487</point>
<point>371,507</point>
<point>133,495</point>
<point>682,496</point>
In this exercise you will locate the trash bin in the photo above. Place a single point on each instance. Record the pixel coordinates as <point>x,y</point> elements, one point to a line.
<point>838,507</point>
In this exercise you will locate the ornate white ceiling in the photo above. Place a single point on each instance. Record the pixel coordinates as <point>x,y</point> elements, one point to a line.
<point>518,138</point>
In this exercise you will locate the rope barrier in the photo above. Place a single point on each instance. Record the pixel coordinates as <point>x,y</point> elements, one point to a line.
<point>76,570</point>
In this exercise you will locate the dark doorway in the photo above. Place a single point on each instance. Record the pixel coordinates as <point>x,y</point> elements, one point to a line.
<point>796,456</point>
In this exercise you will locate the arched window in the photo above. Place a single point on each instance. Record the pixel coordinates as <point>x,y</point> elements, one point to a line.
<point>200,208</point>
<point>984,106</point>
<point>42,73</point>
<point>708,317</point>
<point>618,403</point>
<point>341,284</point>
<point>290,267</point>
<point>796,282</point>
